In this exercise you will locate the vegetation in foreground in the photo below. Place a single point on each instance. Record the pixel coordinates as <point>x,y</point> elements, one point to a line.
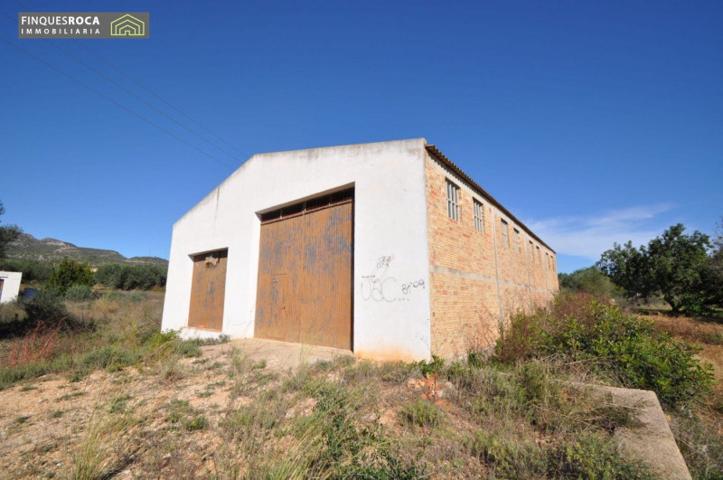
<point>611,343</point>
<point>118,330</point>
<point>585,336</point>
<point>343,419</point>
<point>508,416</point>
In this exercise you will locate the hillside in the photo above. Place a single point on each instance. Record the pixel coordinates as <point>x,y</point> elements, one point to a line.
<point>30,248</point>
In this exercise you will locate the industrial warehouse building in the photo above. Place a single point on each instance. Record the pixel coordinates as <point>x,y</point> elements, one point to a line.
<point>387,249</point>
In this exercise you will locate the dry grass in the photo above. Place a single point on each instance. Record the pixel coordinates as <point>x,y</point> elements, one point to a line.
<point>688,328</point>
<point>37,346</point>
<point>224,415</point>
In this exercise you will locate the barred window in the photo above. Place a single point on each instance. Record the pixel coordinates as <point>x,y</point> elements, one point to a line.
<point>479,216</point>
<point>518,240</point>
<point>452,201</point>
<point>505,232</point>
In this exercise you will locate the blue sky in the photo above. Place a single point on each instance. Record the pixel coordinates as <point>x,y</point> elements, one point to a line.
<point>594,122</point>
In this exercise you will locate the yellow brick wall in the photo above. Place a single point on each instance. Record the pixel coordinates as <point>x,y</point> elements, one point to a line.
<point>477,279</point>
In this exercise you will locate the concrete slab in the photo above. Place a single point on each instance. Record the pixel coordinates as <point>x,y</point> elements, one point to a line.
<point>651,440</point>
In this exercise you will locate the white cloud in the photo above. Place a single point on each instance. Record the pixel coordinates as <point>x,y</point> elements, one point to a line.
<point>590,235</point>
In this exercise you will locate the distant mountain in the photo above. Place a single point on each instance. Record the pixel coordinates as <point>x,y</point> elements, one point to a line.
<point>30,248</point>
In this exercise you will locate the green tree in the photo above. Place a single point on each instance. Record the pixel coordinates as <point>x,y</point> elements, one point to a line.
<point>69,272</point>
<point>675,265</point>
<point>110,275</point>
<point>629,268</point>
<point>8,233</point>
<point>679,262</point>
<point>713,275</point>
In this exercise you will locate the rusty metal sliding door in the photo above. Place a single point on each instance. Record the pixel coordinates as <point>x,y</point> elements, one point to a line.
<point>305,277</point>
<point>208,289</point>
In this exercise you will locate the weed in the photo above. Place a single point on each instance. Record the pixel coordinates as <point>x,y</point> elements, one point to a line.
<point>178,410</point>
<point>433,367</point>
<point>36,346</point>
<point>197,422</point>
<point>119,404</point>
<point>397,372</point>
<point>169,369</point>
<point>420,413</point>
<point>701,444</point>
<point>70,396</point>
<point>588,456</point>
<point>100,452</point>
<point>181,413</point>
<point>259,365</point>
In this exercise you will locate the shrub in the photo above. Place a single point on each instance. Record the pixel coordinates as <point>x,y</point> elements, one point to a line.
<point>579,328</point>
<point>33,270</point>
<point>433,367</point>
<point>11,312</point>
<point>47,307</point>
<point>78,293</point>
<point>589,280</point>
<point>69,272</point>
<point>131,277</point>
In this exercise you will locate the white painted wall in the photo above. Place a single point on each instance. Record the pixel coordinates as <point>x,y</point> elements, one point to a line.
<point>11,286</point>
<point>391,268</point>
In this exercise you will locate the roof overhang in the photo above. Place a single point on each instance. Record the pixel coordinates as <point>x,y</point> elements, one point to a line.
<point>442,158</point>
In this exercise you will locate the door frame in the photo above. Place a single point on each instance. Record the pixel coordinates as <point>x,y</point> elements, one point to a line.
<point>342,194</point>
<point>193,258</point>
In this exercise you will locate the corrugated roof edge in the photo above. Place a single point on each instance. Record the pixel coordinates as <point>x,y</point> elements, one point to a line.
<point>442,158</point>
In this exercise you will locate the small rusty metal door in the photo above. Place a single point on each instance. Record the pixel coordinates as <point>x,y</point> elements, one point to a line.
<point>208,288</point>
<point>305,274</point>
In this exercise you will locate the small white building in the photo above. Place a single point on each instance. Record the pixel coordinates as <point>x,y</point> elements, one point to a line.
<point>387,249</point>
<point>9,286</point>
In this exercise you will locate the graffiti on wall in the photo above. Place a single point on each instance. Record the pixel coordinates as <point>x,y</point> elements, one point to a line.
<point>381,286</point>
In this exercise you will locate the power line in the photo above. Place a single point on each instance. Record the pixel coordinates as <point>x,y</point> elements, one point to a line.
<point>234,154</point>
<point>208,131</point>
<point>116,103</point>
<point>144,101</point>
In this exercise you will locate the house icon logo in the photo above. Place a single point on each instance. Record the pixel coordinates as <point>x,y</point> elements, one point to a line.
<point>127,26</point>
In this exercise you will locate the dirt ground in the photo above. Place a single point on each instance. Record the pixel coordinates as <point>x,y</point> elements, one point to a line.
<point>47,423</point>
<point>166,420</point>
